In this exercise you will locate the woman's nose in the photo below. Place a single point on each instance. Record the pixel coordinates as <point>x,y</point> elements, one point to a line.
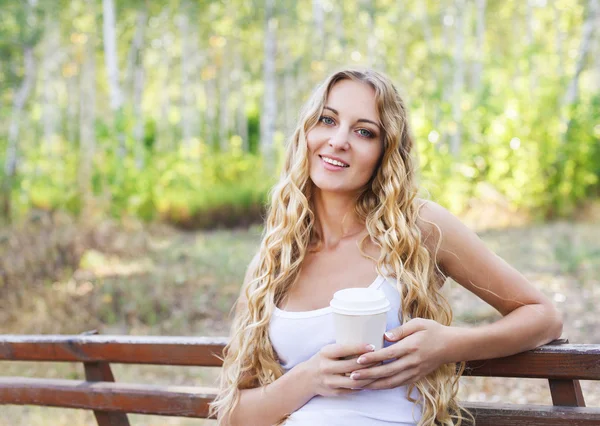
<point>339,140</point>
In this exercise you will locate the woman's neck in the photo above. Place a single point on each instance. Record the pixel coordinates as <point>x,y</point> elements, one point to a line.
<point>336,218</point>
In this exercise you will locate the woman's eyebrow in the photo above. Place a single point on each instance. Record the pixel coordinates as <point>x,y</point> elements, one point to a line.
<point>359,120</point>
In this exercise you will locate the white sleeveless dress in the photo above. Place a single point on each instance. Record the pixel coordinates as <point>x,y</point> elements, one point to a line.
<point>297,336</point>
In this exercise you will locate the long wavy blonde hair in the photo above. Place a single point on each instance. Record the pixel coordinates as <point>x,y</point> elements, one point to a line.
<point>389,209</point>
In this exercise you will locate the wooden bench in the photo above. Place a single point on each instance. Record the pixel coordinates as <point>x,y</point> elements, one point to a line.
<point>561,363</point>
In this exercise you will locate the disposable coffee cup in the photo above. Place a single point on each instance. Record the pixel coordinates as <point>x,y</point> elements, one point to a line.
<point>360,316</point>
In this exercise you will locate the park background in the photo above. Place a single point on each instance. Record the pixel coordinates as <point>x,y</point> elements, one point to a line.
<point>139,140</point>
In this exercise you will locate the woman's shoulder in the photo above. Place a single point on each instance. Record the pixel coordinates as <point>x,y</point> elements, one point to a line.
<point>435,223</point>
<point>430,216</point>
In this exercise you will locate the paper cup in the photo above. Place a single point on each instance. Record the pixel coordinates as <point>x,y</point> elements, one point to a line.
<point>360,316</point>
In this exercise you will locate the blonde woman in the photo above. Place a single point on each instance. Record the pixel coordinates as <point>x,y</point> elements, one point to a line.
<point>345,213</point>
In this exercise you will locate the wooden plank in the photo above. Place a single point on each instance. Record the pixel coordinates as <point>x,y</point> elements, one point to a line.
<point>566,392</point>
<point>101,372</point>
<point>183,401</point>
<point>198,351</point>
<point>193,402</point>
<point>580,362</point>
<point>487,414</point>
<point>564,361</point>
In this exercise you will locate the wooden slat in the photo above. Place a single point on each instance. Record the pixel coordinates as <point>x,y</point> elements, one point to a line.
<point>495,414</point>
<point>198,351</point>
<point>566,392</point>
<point>568,361</point>
<point>183,401</point>
<point>564,361</point>
<point>193,402</point>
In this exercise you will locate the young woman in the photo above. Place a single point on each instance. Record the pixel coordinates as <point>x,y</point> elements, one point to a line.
<point>346,214</point>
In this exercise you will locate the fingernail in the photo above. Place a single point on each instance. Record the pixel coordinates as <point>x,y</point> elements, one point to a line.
<point>360,360</point>
<point>389,335</point>
<point>354,376</point>
<point>371,347</point>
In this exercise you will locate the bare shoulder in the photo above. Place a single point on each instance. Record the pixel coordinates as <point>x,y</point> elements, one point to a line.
<point>430,219</point>
<point>443,233</point>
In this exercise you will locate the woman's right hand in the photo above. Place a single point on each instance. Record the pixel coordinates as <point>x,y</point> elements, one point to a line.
<point>328,369</point>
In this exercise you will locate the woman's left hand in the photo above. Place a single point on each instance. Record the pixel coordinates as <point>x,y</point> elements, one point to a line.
<point>422,346</point>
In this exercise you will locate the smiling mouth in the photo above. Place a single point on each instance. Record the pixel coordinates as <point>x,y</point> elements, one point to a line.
<point>334,162</point>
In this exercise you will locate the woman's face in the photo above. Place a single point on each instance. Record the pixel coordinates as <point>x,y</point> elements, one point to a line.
<point>345,145</point>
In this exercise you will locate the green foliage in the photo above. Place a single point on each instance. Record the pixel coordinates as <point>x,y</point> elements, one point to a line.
<point>517,136</point>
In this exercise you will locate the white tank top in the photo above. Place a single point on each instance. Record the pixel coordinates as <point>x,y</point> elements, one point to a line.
<point>297,336</point>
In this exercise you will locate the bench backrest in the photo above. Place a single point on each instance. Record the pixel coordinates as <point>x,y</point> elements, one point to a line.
<point>561,363</point>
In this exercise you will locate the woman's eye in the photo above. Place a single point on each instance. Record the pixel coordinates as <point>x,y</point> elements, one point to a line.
<point>327,120</point>
<point>365,133</point>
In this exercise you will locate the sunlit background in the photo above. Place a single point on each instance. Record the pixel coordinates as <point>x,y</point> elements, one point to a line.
<point>139,140</point>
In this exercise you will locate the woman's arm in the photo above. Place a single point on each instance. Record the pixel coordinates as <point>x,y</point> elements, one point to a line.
<point>529,318</point>
<point>323,374</point>
<point>269,404</point>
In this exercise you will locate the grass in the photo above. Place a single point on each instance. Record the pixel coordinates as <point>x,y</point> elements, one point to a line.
<point>184,283</point>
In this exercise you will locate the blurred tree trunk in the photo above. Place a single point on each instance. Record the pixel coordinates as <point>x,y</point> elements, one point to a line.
<point>289,94</point>
<point>164,130</point>
<point>318,50</point>
<point>187,93</point>
<point>459,78</point>
<point>242,120</point>
<point>52,58</point>
<point>138,72</point>
<point>530,40</point>
<point>87,116</point>
<point>587,31</point>
<point>447,23</point>
<point>338,17</point>
<point>558,40</point>
<point>269,111</point>
<point>479,41</point>
<point>72,106</point>
<point>112,71</point>
<point>372,56</point>
<point>224,118</point>
<point>20,98</point>
<point>597,52</point>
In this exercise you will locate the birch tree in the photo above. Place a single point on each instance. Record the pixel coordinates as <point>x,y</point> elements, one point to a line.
<point>530,47</point>
<point>479,42</point>
<point>31,37</point>
<point>459,77</point>
<point>318,48</point>
<point>572,93</point>
<point>165,141</point>
<point>187,95</point>
<point>224,117</point>
<point>87,111</point>
<point>239,80</point>
<point>52,58</point>
<point>138,76</point>
<point>269,110</point>
<point>112,69</point>
<point>558,40</point>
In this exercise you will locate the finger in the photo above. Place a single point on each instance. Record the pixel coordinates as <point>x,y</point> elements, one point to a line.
<point>342,391</point>
<point>395,351</point>
<point>401,379</point>
<point>410,327</point>
<point>336,351</point>
<point>347,366</point>
<point>383,370</point>
<point>343,382</point>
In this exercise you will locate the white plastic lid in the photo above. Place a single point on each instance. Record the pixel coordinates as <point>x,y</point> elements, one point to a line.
<point>359,301</point>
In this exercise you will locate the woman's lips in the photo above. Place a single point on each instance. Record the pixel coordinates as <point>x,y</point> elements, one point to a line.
<point>331,167</point>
